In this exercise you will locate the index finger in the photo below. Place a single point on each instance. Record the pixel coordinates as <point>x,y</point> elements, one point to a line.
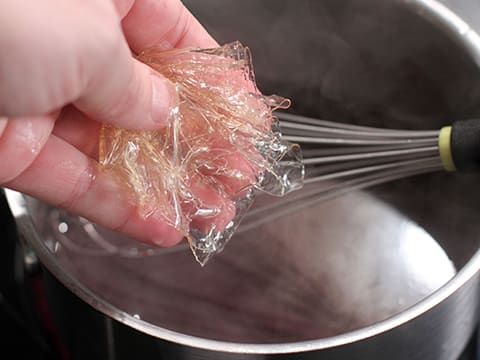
<point>165,24</point>
<point>66,178</point>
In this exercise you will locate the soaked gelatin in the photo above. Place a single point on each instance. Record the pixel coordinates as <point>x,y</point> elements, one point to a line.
<point>221,145</point>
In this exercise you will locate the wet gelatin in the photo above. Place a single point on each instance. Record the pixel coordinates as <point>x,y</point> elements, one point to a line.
<point>220,147</point>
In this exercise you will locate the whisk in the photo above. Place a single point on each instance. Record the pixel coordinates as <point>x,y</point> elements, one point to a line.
<point>340,158</point>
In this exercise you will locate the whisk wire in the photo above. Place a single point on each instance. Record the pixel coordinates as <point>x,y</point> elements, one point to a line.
<point>288,206</point>
<point>340,158</point>
<point>339,125</point>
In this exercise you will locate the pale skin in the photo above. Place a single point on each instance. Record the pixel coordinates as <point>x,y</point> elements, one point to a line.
<point>66,66</point>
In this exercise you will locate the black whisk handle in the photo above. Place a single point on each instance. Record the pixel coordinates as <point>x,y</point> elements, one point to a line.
<point>465,145</point>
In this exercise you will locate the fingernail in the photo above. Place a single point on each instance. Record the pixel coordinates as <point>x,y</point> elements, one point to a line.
<point>164,98</point>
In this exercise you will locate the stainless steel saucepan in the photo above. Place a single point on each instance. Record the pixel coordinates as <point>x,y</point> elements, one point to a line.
<point>391,272</point>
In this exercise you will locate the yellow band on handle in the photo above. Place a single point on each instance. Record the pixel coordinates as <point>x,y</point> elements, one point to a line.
<point>444,148</point>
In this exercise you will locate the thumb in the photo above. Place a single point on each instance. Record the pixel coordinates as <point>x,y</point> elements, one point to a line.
<point>127,93</point>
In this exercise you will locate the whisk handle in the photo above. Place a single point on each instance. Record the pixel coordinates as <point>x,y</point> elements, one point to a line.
<point>465,144</point>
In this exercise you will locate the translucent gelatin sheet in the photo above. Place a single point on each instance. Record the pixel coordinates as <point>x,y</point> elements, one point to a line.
<point>221,145</point>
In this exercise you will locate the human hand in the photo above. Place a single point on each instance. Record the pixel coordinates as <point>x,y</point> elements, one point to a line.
<point>66,67</point>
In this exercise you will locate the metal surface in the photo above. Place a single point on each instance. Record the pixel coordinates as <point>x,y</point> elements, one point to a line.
<point>389,273</point>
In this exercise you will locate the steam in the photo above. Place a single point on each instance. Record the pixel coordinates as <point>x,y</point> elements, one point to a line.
<point>369,62</point>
